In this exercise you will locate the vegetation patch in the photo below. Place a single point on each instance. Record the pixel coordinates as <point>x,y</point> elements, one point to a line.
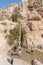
<point>15,31</point>
<point>15,17</point>
<point>13,36</point>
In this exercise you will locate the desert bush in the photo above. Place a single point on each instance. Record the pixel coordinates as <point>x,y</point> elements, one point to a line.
<point>15,17</point>
<point>13,36</point>
<point>15,31</point>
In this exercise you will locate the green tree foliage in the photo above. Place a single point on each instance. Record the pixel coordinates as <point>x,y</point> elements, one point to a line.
<point>15,31</point>
<point>15,17</point>
<point>13,35</point>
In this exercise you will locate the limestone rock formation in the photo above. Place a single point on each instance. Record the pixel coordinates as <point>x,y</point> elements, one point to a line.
<point>31,21</point>
<point>5,25</point>
<point>35,30</point>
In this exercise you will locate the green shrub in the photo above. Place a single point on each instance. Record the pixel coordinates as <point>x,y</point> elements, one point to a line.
<point>13,35</point>
<point>15,31</point>
<point>15,16</point>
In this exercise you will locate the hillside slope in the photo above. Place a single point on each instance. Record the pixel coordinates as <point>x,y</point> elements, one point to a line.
<point>31,21</point>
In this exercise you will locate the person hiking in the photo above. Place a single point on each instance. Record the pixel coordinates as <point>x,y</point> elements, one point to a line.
<point>20,51</point>
<point>11,59</point>
<point>15,50</point>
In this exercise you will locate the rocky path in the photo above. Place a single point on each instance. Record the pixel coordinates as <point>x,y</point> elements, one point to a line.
<point>28,56</point>
<point>3,61</point>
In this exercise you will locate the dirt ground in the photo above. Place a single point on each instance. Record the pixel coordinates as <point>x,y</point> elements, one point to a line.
<point>28,56</point>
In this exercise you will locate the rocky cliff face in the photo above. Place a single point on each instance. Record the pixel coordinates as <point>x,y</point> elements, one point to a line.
<point>5,26</point>
<point>33,24</point>
<point>7,11</point>
<point>31,21</point>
